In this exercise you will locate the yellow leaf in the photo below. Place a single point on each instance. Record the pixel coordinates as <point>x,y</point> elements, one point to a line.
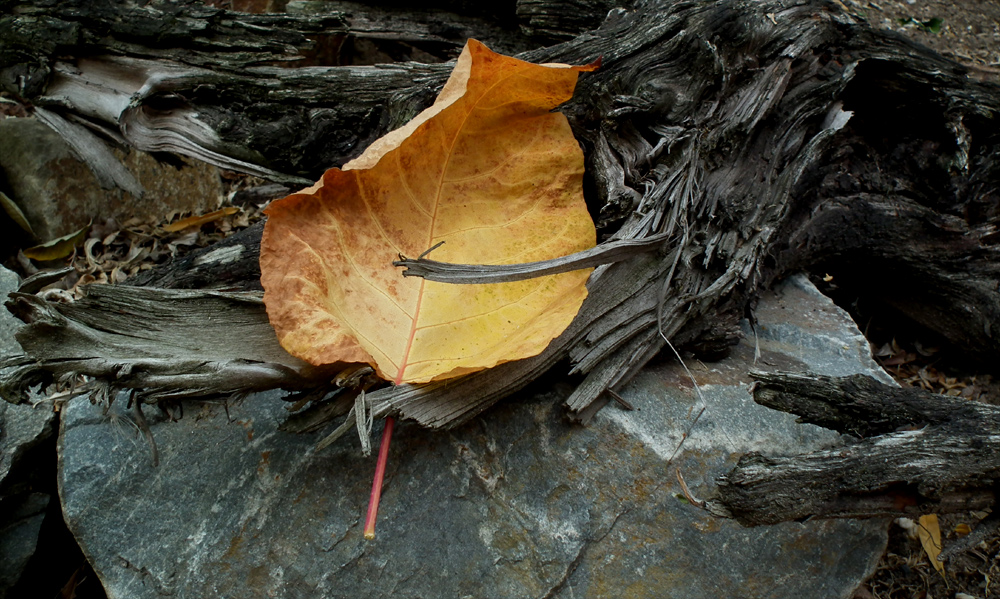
<point>57,248</point>
<point>929,533</point>
<point>962,529</point>
<point>491,171</point>
<point>197,221</point>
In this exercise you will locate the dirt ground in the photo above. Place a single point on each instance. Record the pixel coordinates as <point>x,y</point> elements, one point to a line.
<point>967,31</point>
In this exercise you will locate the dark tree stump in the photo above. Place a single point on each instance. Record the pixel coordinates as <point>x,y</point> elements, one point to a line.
<point>755,137</point>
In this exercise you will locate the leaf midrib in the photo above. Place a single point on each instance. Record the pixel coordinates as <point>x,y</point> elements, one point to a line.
<point>404,362</point>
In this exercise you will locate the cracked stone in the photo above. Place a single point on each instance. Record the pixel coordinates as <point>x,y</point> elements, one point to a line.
<point>518,503</point>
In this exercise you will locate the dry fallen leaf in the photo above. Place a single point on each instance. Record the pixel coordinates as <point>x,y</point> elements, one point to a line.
<point>491,171</point>
<point>57,248</point>
<point>930,538</point>
<point>14,212</point>
<point>197,221</point>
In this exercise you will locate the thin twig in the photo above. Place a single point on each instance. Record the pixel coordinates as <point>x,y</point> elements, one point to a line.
<point>348,423</point>
<point>686,434</point>
<point>140,420</point>
<point>621,400</point>
<point>363,420</point>
<point>687,493</point>
<point>427,251</point>
<point>701,399</point>
<point>468,274</point>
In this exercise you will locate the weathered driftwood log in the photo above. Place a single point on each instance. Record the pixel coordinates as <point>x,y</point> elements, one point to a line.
<point>172,343</point>
<point>187,78</point>
<point>753,137</point>
<point>917,453</point>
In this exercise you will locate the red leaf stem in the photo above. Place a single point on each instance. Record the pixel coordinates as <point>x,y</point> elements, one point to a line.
<point>383,456</point>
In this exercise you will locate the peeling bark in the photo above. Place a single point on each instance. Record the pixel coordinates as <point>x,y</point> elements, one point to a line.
<point>236,90</point>
<point>755,138</point>
<point>171,344</point>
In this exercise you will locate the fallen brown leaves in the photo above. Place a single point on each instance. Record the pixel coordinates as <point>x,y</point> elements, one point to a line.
<point>917,366</point>
<point>112,252</point>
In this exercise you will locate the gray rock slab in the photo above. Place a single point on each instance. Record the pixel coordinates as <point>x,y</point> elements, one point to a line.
<point>22,429</point>
<point>519,503</point>
<point>59,194</point>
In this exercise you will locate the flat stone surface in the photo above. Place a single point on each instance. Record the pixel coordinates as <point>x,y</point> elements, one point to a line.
<point>518,503</point>
<point>22,428</point>
<point>59,195</point>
